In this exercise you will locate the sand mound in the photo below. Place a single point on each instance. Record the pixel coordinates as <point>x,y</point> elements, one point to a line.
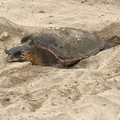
<point>111,34</point>
<point>89,91</point>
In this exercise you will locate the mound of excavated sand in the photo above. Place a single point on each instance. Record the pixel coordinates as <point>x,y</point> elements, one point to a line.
<point>111,34</point>
<point>88,91</point>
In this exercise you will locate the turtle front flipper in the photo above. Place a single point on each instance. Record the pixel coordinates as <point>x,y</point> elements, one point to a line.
<point>70,62</point>
<point>47,57</point>
<point>44,56</point>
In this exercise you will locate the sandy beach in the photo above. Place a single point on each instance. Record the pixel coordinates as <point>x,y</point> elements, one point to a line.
<point>88,91</point>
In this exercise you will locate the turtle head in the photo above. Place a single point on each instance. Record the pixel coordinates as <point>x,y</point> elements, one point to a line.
<point>19,53</point>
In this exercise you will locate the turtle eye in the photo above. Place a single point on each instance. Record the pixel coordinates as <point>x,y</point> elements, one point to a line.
<point>17,54</point>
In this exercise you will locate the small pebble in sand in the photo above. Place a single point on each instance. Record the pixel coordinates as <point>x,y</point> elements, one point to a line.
<point>50,23</point>
<point>4,35</point>
<point>41,11</point>
<point>51,16</point>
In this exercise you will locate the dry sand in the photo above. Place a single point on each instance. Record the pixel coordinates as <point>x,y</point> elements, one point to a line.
<point>89,91</point>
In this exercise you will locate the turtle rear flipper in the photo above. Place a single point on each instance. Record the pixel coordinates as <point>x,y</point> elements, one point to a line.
<point>106,46</point>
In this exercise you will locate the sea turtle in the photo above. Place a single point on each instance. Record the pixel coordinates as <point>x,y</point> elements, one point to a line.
<point>63,46</point>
